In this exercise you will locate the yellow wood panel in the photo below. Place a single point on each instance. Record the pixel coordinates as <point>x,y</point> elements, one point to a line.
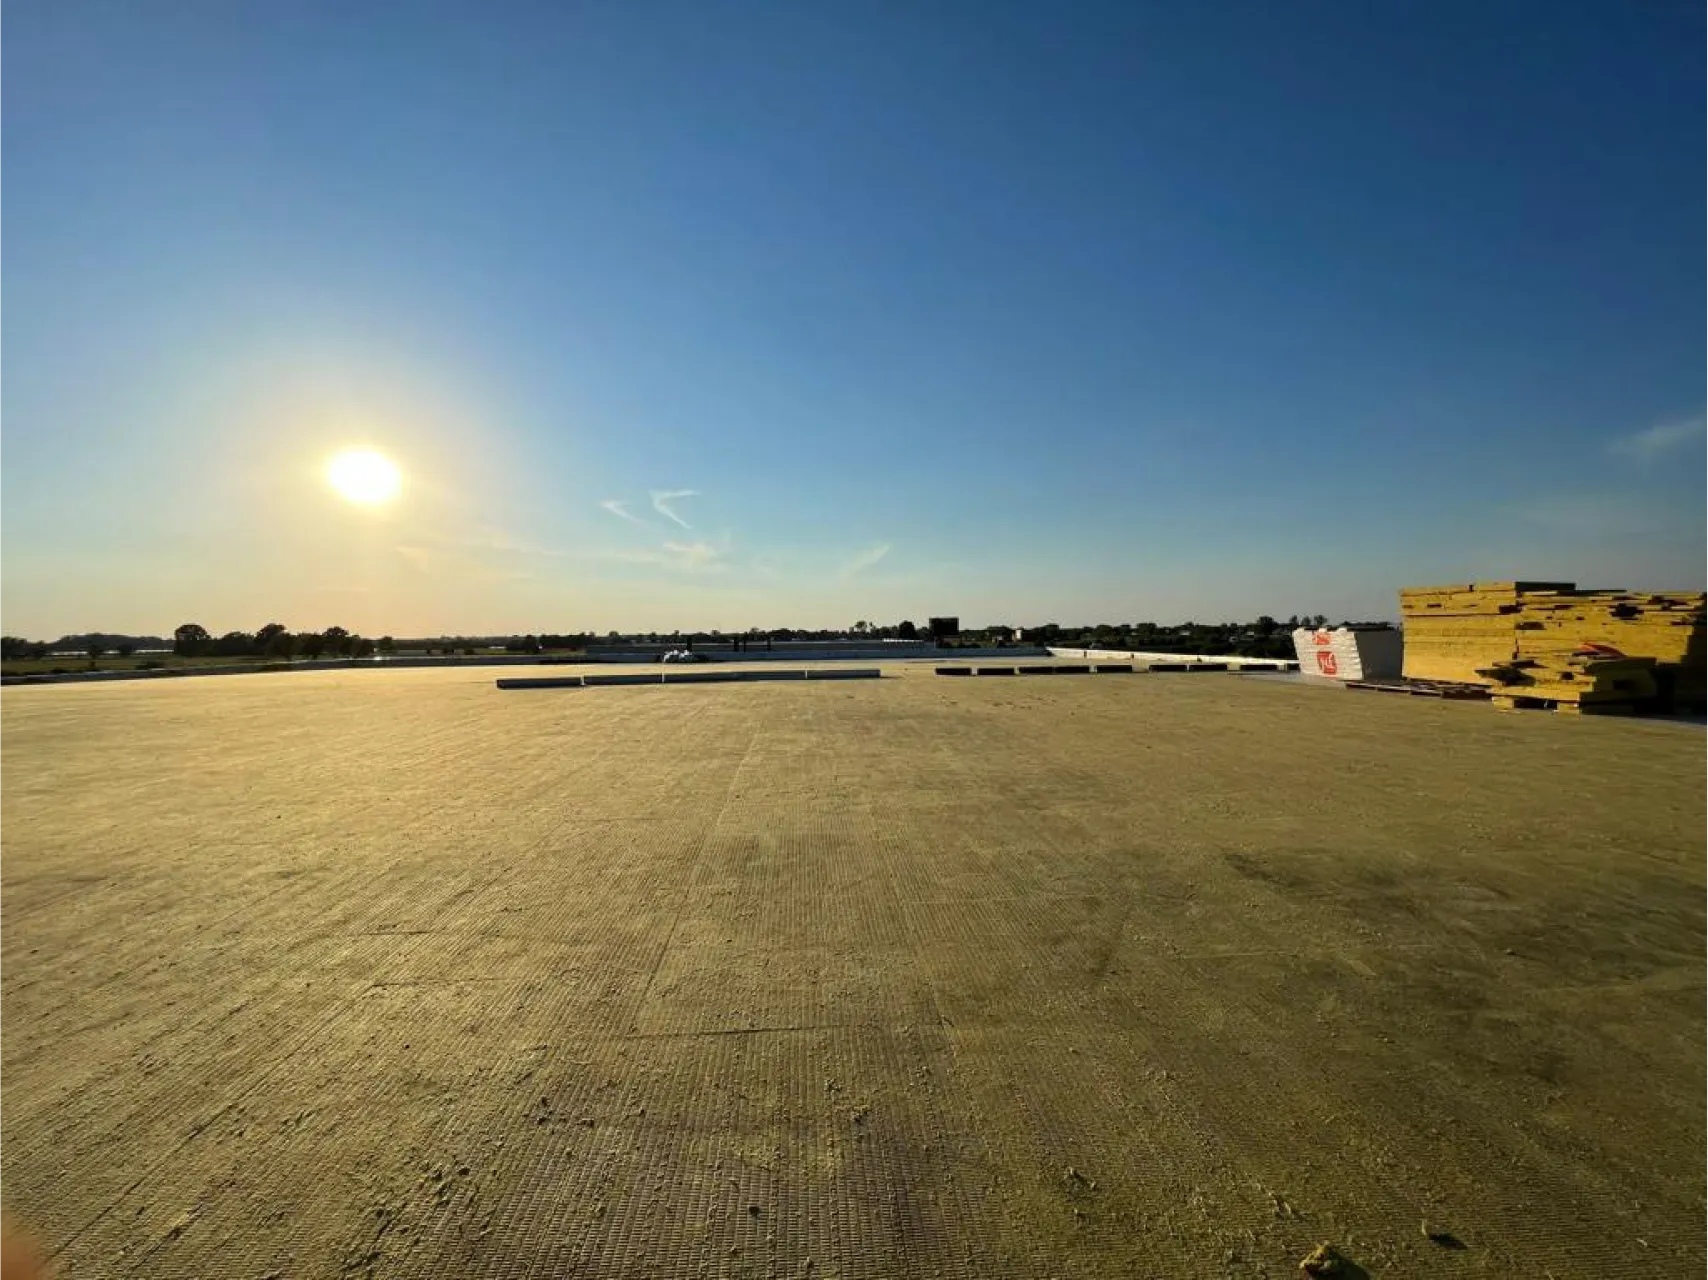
<point>1433,667</point>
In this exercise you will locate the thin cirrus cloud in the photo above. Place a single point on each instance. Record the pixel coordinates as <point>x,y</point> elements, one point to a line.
<point>693,555</point>
<point>690,557</point>
<point>620,509</point>
<point>865,559</point>
<point>664,500</point>
<point>1659,440</point>
<point>698,556</point>
<point>464,542</point>
<point>1592,517</point>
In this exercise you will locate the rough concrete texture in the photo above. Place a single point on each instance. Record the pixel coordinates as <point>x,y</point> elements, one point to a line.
<point>393,974</point>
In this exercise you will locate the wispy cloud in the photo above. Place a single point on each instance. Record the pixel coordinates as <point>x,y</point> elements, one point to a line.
<point>1654,442</point>
<point>662,500</point>
<point>620,509</point>
<point>690,557</point>
<point>865,559</point>
<point>1591,516</point>
<point>469,541</point>
<point>467,561</point>
<point>693,555</point>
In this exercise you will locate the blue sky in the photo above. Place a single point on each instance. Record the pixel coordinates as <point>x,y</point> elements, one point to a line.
<point>1086,312</point>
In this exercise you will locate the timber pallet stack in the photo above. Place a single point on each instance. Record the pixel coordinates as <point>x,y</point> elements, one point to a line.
<point>1515,636</point>
<point>1451,633</point>
<point>1582,684</point>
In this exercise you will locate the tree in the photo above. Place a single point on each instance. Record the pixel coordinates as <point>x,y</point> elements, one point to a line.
<point>125,650</point>
<point>14,647</point>
<point>94,648</point>
<point>234,644</point>
<point>337,640</point>
<point>362,647</point>
<point>266,635</point>
<point>191,640</point>
<point>386,645</point>
<point>311,645</point>
<point>906,630</point>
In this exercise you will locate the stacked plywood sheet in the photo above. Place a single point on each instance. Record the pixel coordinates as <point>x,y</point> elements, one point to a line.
<point>1348,653</point>
<point>1666,627</point>
<point>1462,632</point>
<point>1583,682</point>
<point>1452,632</point>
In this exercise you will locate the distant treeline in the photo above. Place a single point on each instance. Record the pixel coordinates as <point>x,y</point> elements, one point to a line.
<point>16,647</point>
<point>277,641</point>
<point>1264,638</point>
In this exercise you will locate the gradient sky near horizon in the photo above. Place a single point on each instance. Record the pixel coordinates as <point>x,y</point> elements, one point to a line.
<point>677,314</point>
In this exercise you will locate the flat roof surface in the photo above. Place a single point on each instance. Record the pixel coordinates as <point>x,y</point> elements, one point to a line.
<point>390,973</point>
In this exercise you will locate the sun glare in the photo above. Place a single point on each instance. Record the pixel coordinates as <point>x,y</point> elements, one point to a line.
<point>363,476</point>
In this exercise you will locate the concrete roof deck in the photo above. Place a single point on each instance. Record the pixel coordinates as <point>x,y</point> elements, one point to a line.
<point>393,973</point>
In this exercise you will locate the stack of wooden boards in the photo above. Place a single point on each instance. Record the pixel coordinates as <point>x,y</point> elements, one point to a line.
<point>1630,646</point>
<point>1453,632</point>
<point>1585,682</point>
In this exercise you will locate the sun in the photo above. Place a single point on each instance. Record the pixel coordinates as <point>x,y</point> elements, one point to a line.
<point>364,477</point>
